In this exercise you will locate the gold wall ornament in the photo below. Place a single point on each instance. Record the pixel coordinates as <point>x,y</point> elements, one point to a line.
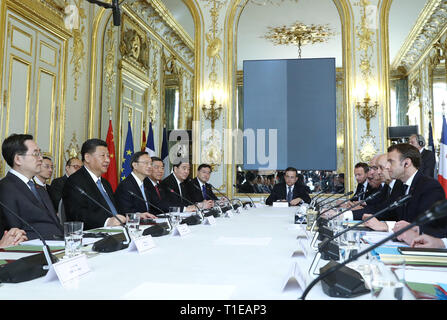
<point>367,112</point>
<point>109,65</point>
<point>299,34</point>
<point>212,111</point>
<point>78,49</point>
<point>73,150</point>
<point>270,2</point>
<point>368,149</point>
<point>134,47</point>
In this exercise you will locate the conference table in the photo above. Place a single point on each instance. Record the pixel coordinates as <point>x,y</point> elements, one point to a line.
<point>247,256</point>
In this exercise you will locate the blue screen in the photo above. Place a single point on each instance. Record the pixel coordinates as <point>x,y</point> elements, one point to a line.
<point>290,109</point>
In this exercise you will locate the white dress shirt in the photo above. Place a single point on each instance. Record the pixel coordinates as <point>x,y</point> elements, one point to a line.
<point>95,179</point>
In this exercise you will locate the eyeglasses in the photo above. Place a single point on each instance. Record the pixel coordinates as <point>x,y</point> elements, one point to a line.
<point>146,163</point>
<point>36,154</point>
<point>46,166</point>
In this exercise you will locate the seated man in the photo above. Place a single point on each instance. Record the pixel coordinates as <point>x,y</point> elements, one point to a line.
<point>199,188</point>
<point>157,194</point>
<point>20,194</point>
<point>403,163</point>
<point>363,188</point>
<point>249,185</point>
<point>291,191</point>
<point>127,203</point>
<point>176,182</point>
<point>55,190</point>
<point>46,171</point>
<point>79,207</point>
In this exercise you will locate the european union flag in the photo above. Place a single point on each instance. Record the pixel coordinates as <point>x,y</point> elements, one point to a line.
<point>126,168</point>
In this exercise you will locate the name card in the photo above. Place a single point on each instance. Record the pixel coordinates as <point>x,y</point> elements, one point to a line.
<point>228,214</point>
<point>280,204</point>
<point>69,269</point>
<point>295,280</point>
<point>302,245</point>
<point>142,244</point>
<point>182,229</point>
<point>209,220</point>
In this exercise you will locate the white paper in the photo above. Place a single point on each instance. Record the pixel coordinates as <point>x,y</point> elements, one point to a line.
<point>57,243</point>
<point>209,220</point>
<point>68,269</point>
<point>425,276</point>
<point>14,255</point>
<point>234,241</point>
<point>178,291</point>
<point>280,204</point>
<point>181,230</point>
<point>142,244</point>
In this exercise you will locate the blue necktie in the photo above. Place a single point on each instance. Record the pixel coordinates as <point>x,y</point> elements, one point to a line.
<point>106,197</point>
<point>204,192</point>
<point>289,195</point>
<point>34,190</point>
<point>144,195</point>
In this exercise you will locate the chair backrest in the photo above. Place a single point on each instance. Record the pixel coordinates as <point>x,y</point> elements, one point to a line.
<point>61,212</point>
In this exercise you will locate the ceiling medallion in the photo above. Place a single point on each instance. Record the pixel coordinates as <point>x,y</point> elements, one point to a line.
<point>299,35</point>
<point>269,2</point>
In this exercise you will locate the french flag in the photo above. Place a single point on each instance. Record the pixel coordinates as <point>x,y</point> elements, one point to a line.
<point>442,172</point>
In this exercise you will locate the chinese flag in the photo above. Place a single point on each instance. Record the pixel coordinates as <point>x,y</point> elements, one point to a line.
<point>111,174</point>
<point>143,145</point>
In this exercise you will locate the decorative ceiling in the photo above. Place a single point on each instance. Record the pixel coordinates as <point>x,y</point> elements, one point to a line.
<point>255,20</point>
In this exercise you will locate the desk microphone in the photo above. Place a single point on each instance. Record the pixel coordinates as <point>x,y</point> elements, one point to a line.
<point>183,198</point>
<point>325,201</point>
<point>148,203</point>
<point>341,196</point>
<point>109,243</point>
<point>338,205</point>
<point>27,268</point>
<point>252,204</point>
<point>315,197</point>
<point>211,211</point>
<point>348,282</point>
<point>392,206</point>
<point>234,207</point>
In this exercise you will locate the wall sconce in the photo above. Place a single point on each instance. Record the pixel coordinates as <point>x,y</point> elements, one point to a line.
<point>366,110</point>
<point>214,109</point>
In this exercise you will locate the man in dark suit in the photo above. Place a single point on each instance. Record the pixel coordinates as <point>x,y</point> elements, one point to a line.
<point>152,184</point>
<point>361,173</point>
<point>428,159</point>
<point>46,171</point>
<point>56,187</point>
<point>20,194</point>
<point>141,164</point>
<point>176,182</point>
<point>290,190</point>
<point>391,191</point>
<point>249,185</point>
<point>403,163</point>
<point>78,207</point>
<point>198,188</point>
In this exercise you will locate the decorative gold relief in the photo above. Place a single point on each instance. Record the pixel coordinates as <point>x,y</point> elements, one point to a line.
<point>211,150</point>
<point>109,65</point>
<point>77,51</point>
<point>134,48</point>
<point>368,149</point>
<point>299,35</point>
<point>73,148</point>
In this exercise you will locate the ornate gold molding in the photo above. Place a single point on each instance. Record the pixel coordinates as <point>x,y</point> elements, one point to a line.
<point>109,65</point>
<point>77,51</point>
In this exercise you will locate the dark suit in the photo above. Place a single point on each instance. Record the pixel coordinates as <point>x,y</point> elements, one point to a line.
<point>359,190</point>
<point>126,202</point>
<point>195,193</point>
<point>55,190</point>
<point>387,198</point>
<point>426,191</point>
<point>18,197</point>
<point>247,187</point>
<point>428,163</point>
<point>173,199</point>
<point>78,207</point>
<point>279,192</point>
<point>156,199</point>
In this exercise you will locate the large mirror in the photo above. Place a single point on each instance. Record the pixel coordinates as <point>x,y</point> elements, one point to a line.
<point>252,25</point>
<point>417,46</point>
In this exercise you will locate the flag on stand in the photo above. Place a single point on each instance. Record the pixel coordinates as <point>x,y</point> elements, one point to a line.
<point>111,175</point>
<point>150,146</point>
<point>165,153</point>
<point>143,144</point>
<point>442,172</point>
<point>431,144</point>
<point>126,168</point>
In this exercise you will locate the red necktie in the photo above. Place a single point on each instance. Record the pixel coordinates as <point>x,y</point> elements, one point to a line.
<point>158,192</point>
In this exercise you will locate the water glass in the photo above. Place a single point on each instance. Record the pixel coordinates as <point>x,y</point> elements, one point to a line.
<point>133,223</point>
<point>73,231</point>
<point>174,213</point>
